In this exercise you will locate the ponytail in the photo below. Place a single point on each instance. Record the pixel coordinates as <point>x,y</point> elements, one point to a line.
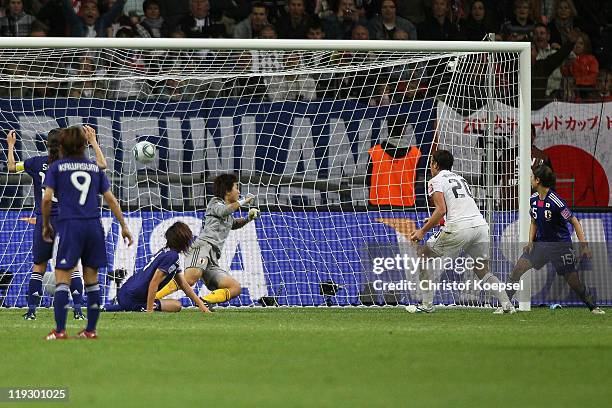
<point>53,145</point>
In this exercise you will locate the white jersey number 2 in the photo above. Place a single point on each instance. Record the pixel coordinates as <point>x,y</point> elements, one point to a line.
<point>458,186</point>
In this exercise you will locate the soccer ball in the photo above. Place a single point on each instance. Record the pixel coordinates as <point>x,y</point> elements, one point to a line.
<point>144,152</point>
<point>49,282</point>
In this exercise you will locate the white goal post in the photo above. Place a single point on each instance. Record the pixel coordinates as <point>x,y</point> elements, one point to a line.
<point>327,185</point>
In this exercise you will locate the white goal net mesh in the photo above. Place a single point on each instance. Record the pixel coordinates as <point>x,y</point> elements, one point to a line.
<point>334,144</point>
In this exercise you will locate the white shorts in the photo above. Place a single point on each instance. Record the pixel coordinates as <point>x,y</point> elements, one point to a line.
<point>474,241</point>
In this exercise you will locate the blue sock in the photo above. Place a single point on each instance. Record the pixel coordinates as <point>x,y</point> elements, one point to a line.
<point>76,290</point>
<point>35,291</point>
<point>60,306</point>
<point>93,306</point>
<point>114,308</point>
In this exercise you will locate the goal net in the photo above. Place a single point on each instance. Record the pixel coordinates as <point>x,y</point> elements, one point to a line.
<point>334,139</point>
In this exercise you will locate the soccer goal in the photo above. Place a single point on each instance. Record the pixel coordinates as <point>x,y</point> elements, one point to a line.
<point>333,137</point>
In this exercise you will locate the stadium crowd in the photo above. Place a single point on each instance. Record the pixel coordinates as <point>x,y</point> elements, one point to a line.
<point>570,40</point>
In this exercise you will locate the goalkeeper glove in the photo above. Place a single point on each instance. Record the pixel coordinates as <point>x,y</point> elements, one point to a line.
<point>244,201</point>
<point>254,213</point>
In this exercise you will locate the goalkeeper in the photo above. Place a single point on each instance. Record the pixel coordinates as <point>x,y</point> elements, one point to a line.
<point>202,259</point>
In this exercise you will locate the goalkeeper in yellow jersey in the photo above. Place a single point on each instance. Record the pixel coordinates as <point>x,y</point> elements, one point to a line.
<point>202,259</point>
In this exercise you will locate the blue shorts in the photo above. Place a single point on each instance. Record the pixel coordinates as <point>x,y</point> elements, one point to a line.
<point>80,239</point>
<point>560,254</point>
<point>42,251</point>
<point>132,304</point>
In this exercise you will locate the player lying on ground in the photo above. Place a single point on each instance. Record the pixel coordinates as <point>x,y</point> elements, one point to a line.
<point>550,239</point>
<point>138,293</point>
<point>42,251</point>
<point>465,229</point>
<point>202,261</point>
<point>76,182</point>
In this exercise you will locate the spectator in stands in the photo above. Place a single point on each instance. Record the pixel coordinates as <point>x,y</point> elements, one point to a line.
<point>315,30</point>
<point>497,12</point>
<point>90,23</point>
<point>439,26</point>
<point>173,61</point>
<point>340,25</point>
<point>120,21</point>
<point>268,33</point>
<point>383,26</point>
<point>323,8</point>
<point>86,88</point>
<point>36,87</point>
<point>172,90</point>
<point>583,67</point>
<point>38,29</point>
<point>134,17</point>
<point>237,10</point>
<point>542,10</point>
<point>323,80</point>
<point>292,87</point>
<point>401,35</point>
<point>199,23</point>
<point>521,25</point>
<point>125,32</point>
<point>296,23</point>
<point>595,19</point>
<point>152,24</point>
<point>476,26</point>
<point>177,33</point>
<point>383,93</point>
<point>125,67</point>
<point>541,38</point>
<point>277,10</point>
<point>221,14</point>
<point>247,87</point>
<point>410,79</point>
<point>541,69</point>
<point>565,19</point>
<point>358,83</point>
<point>12,89</point>
<point>51,14</point>
<point>252,25</point>
<point>459,10</point>
<point>360,32</point>
<point>16,23</point>
<point>411,10</point>
<point>603,92</point>
<point>266,61</point>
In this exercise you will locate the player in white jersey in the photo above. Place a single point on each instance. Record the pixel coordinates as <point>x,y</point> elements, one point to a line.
<point>464,229</point>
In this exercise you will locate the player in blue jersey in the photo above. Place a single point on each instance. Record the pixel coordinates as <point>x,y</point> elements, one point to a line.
<point>138,293</point>
<point>42,251</point>
<point>550,238</point>
<point>77,183</point>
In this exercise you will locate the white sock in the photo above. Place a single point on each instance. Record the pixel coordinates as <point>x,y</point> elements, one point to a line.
<point>500,294</point>
<point>428,294</point>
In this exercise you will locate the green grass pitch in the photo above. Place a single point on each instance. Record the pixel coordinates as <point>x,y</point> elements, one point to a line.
<point>318,358</point>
